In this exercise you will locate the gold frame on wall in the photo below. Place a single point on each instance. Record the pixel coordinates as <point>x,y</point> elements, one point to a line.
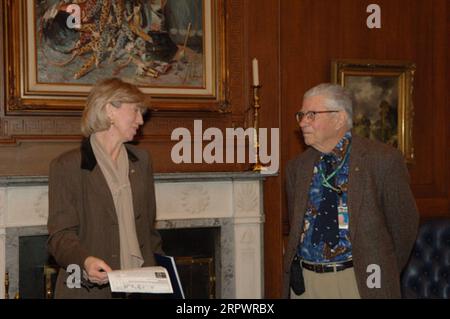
<point>25,95</point>
<point>383,92</point>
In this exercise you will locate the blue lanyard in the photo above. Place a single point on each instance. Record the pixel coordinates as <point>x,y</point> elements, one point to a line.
<point>325,180</point>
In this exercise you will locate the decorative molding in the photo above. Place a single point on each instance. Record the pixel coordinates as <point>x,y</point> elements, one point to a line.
<point>41,126</point>
<point>159,125</point>
<point>3,206</point>
<point>247,198</point>
<point>18,128</point>
<point>14,104</point>
<point>195,199</point>
<point>30,212</point>
<point>40,205</point>
<point>2,262</point>
<point>248,237</point>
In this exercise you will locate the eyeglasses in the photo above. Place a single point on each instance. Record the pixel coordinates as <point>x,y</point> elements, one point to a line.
<point>310,115</point>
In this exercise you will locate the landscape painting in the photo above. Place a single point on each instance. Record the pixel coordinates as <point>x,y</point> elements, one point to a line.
<point>383,92</point>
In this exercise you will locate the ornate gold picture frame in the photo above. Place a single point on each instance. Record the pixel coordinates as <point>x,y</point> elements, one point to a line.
<point>383,92</point>
<point>173,50</point>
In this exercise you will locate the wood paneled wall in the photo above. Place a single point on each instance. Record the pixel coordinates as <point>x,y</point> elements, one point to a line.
<point>295,41</point>
<point>314,32</point>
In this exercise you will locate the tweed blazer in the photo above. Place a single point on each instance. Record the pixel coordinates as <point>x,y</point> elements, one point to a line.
<point>383,217</point>
<point>82,219</point>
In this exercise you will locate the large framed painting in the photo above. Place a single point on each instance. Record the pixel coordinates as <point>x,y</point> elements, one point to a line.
<point>383,92</point>
<point>57,49</point>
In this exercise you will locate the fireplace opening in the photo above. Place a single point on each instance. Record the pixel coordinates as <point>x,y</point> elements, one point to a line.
<point>196,254</point>
<point>37,269</point>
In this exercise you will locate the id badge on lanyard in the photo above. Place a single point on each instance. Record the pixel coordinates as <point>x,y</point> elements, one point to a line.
<point>342,214</point>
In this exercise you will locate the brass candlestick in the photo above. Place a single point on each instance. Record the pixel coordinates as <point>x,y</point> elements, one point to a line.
<point>48,272</point>
<point>257,166</point>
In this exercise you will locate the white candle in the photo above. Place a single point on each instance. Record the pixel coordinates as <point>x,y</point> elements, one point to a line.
<point>255,72</point>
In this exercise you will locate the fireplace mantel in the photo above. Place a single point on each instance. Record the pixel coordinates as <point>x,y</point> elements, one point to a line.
<point>230,200</point>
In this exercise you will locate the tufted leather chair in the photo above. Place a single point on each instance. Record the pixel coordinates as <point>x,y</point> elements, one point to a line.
<point>427,274</point>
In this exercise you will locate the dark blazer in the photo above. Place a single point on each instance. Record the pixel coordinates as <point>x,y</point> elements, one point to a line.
<point>383,215</point>
<point>82,219</point>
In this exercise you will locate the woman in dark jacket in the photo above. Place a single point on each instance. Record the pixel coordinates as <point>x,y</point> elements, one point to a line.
<point>101,196</point>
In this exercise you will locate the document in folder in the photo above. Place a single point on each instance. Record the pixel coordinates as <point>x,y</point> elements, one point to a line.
<point>153,280</point>
<point>168,262</point>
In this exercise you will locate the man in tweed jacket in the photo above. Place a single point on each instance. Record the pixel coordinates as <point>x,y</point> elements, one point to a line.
<point>375,210</point>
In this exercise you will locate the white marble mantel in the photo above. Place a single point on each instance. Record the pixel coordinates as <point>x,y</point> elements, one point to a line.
<point>232,201</point>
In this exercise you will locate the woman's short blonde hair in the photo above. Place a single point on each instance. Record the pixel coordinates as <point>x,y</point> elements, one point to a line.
<point>113,91</point>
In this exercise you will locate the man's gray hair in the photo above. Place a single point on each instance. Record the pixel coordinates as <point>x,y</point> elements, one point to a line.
<point>336,98</point>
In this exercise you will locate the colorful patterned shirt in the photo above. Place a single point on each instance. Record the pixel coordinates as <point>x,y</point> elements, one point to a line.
<point>322,253</point>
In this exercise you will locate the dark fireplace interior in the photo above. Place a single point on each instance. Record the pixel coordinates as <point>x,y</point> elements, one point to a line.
<point>37,270</point>
<point>196,255</point>
<point>195,250</point>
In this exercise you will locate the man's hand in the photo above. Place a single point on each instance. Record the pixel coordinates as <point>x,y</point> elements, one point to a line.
<point>96,270</point>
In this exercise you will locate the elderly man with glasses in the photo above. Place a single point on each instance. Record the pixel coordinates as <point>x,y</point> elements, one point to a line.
<point>353,218</point>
